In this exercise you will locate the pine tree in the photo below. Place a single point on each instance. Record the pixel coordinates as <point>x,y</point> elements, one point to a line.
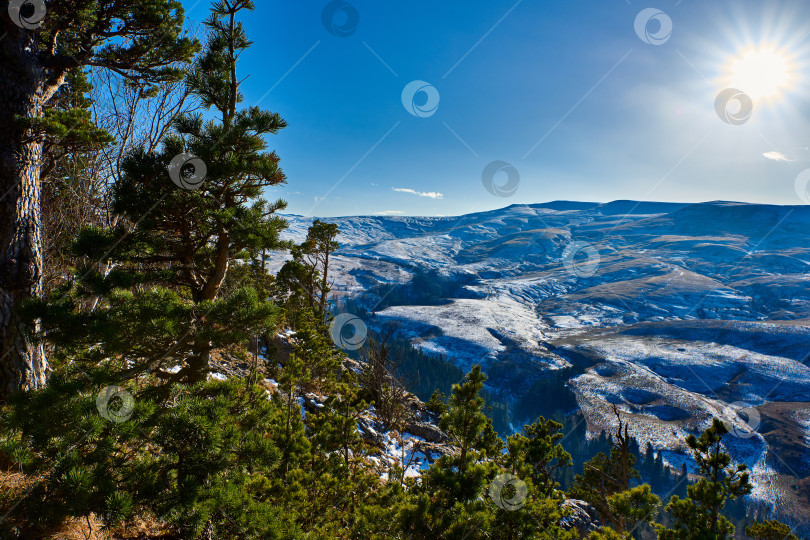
<point>437,403</point>
<point>313,345</point>
<point>698,516</point>
<point>634,506</point>
<point>607,533</point>
<point>334,426</point>
<point>207,457</point>
<point>339,482</point>
<point>450,502</point>
<point>770,530</point>
<point>201,456</point>
<point>302,283</point>
<point>167,300</point>
<point>605,477</point>
<point>538,454</point>
<point>466,423</point>
<point>41,51</point>
<point>292,441</point>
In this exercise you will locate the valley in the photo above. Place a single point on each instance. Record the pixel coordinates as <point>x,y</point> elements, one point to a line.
<point>677,313</point>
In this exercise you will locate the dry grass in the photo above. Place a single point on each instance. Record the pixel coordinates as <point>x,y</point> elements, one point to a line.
<point>15,485</point>
<point>86,528</point>
<point>144,528</point>
<point>15,482</point>
<point>91,528</point>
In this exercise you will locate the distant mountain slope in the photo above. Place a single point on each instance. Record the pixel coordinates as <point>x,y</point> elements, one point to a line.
<point>676,312</point>
<point>653,256</point>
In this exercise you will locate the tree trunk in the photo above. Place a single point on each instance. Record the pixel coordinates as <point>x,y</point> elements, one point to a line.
<point>22,363</point>
<point>324,282</point>
<point>199,363</point>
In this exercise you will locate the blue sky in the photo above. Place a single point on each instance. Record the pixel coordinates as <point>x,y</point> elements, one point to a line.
<point>566,92</point>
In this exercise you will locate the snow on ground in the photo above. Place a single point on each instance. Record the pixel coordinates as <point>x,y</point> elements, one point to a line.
<point>669,390</point>
<point>435,249</point>
<point>473,331</point>
<point>742,265</point>
<point>708,368</point>
<point>400,450</point>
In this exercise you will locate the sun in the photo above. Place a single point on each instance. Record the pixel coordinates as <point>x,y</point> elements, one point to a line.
<point>762,73</point>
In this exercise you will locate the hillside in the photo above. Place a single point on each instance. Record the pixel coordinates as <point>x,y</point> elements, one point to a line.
<point>676,312</point>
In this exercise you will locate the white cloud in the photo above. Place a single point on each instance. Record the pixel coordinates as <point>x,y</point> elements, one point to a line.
<point>431,194</point>
<point>388,213</point>
<point>776,156</point>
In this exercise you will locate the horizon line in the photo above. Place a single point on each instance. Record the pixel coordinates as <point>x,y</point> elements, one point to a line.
<point>558,201</point>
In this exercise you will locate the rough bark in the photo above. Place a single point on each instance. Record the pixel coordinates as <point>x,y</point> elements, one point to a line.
<point>199,364</point>
<point>22,95</point>
<point>220,270</point>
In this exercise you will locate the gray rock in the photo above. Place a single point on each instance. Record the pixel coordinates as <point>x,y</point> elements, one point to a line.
<point>426,431</point>
<point>279,347</point>
<point>368,433</point>
<point>433,451</point>
<point>583,517</point>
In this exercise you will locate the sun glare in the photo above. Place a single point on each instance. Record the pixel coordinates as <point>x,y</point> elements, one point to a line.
<point>761,73</point>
